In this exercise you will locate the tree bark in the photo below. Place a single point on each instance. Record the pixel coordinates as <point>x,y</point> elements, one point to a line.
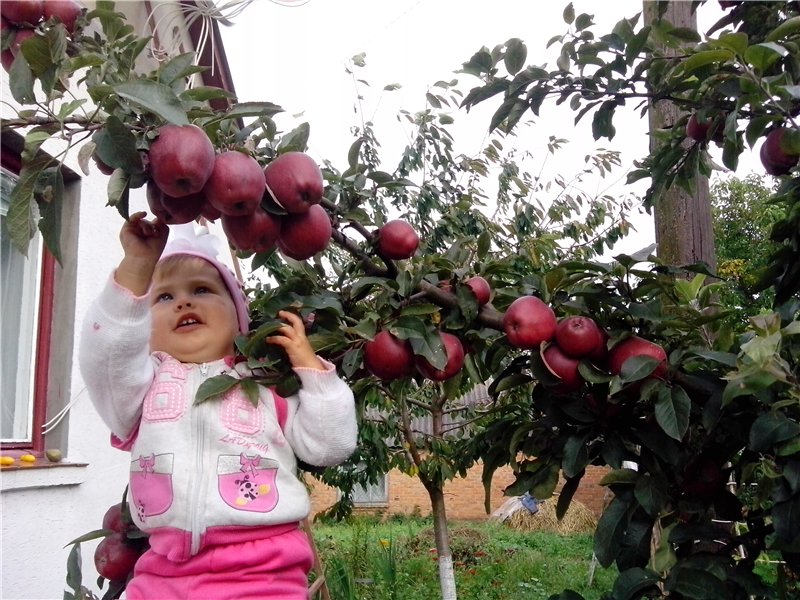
<point>683,225</point>
<point>447,579</point>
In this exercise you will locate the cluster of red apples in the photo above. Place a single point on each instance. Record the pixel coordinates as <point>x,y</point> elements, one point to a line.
<point>529,324</point>
<point>19,18</point>
<point>117,553</point>
<point>189,179</point>
<point>777,156</point>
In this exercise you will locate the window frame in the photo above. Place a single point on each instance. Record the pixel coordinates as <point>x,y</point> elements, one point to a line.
<point>11,160</point>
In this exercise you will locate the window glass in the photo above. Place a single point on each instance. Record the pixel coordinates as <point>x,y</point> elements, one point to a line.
<point>19,302</point>
<point>373,493</point>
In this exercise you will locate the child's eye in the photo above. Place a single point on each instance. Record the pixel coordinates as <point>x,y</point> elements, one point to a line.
<point>202,290</point>
<point>165,297</point>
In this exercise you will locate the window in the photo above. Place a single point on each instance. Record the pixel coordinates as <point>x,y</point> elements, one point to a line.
<point>374,494</point>
<point>21,277</point>
<point>37,304</point>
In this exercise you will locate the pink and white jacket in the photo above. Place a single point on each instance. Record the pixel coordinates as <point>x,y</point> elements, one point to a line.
<point>216,472</point>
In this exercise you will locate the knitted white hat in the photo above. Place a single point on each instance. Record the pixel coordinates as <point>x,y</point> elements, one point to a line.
<point>201,243</point>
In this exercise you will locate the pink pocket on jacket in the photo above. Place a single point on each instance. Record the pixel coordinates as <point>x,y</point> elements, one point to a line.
<point>248,482</point>
<point>151,484</point>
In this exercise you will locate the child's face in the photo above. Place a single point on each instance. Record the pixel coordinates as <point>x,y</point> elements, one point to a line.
<point>194,317</point>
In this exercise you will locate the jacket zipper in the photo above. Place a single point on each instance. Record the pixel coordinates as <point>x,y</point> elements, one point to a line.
<point>197,489</point>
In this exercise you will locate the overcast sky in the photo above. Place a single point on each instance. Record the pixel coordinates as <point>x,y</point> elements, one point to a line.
<point>296,56</point>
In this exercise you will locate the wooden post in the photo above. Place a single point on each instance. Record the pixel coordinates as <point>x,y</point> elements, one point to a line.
<point>683,225</point>
<point>320,584</point>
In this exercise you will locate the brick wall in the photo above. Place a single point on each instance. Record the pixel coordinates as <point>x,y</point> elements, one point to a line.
<point>464,497</point>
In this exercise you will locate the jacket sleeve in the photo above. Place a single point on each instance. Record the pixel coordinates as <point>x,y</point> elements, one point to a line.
<point>321,424</point>
<point>114,356</point>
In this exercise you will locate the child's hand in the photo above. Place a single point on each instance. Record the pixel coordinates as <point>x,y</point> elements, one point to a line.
<point>142,239</point>
<point>143,242</point>
<point>292,338</point>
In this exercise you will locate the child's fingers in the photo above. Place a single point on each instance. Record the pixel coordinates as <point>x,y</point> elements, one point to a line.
<point>295,322</point>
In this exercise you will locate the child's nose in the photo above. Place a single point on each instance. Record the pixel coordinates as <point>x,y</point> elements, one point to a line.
<point>184,304</point>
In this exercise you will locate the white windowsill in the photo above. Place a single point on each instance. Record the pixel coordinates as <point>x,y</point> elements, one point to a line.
<point>26,478</point>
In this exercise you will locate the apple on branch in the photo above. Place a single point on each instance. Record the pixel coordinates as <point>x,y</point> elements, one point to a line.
<point>305,234</point>
<point>481,288</point>
<point>252,233</point>
<point>454,351</point>
<point>294,181</point>
<point>171,210</point>
<point>636,346</point>
<point>66,11</point>
<point>528,322</point>
<point>397,240</point>
<point>181,159</point>
<point>564,367</point>
<point>24,13</point>
<point>579,336</point>
<point>236,184</point>
<point>388,357</point>
<point>775,157</point>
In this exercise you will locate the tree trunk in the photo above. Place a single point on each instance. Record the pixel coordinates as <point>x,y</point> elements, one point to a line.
<point>447,579</point>
<point>683,225</point>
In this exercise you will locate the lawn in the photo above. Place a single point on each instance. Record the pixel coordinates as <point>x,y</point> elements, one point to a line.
<point>370,559</point>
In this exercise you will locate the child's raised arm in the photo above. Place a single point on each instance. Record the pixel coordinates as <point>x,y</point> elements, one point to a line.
<point>143,242</point>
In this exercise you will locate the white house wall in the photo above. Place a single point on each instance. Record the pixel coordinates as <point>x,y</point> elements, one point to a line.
<point>42,509</point>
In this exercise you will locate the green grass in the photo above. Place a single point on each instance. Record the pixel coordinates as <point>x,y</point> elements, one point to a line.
<point>366,559</point>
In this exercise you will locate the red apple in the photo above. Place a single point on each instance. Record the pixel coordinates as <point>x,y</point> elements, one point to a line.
<point>304,234</point>
<point>481,288</point>
<point>252,233</point>
<point>455,360</point>
<point>294,181</point>
<point>171,210</point>
<point>579,336</point>
<point>101,166</point>
<point>700,129</point>
<point>388,357</point>
<point>22,12</point>
<point>397,240</point>
<point>66,11</point>
<point>775,159</point>
<point>113,519</point>
<point>564,367</point>
<point>636,346</point>
<point>114,557</point>
<point>236,185</point>
<point>7,59</point>
<point>20,36</point>
<point>528,322</point>
<point>209,212</point>
<point>181,159</point>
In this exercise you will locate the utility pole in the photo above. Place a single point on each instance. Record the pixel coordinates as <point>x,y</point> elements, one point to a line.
<point>683,225</point>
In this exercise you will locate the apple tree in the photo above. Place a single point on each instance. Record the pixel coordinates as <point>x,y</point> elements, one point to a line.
<point>728,409</point>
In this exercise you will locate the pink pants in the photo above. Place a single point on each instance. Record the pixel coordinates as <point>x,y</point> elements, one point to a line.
<point>275,567</point>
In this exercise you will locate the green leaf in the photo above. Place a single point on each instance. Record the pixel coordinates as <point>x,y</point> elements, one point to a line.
<point>21,81</point>
<point>155,97</point>
<point>737,42</point>
<point>515,55</point>
<point>770,429</point>
<point>115,145</point>
<point>214,386</point>
<point>50,206</point>
<point>23,212</point>
<point>576,456</point>
<point>119,191</point>
<point>569,14</point>
<point>204,93</point>
<point>672,411</point>
<point>74,574</point>
<point>650,495</point>
<point>762,56</point>
<point>610,531</point>
<point>620,476</point>
<point>175,68</point>
<point>638,367</point>
<point>295,140</point>
<point>249,109</point>
<point>706,57</point>
<point>632,582</point>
